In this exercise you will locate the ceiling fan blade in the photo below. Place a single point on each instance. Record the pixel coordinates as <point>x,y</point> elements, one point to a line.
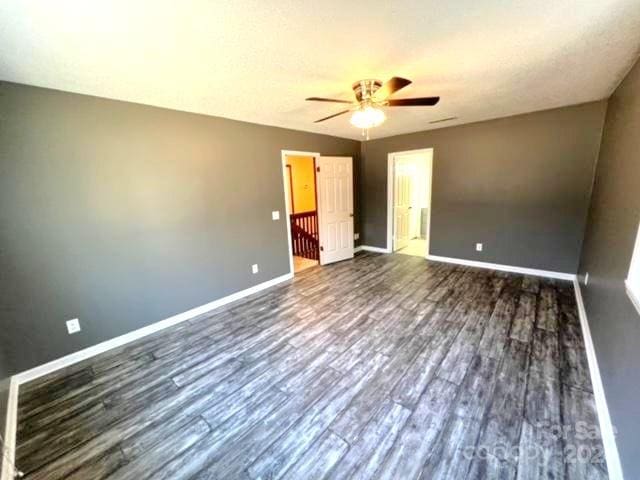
<point>414,102</point>
<point>390,87</point>
<point>331,116</point>
<point>320,99</point>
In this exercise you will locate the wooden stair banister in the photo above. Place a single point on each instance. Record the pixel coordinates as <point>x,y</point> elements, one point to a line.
<point>304,234</point>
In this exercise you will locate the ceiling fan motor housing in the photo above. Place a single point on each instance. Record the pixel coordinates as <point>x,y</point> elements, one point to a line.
<point>371,96</point>
<point>364,89</point>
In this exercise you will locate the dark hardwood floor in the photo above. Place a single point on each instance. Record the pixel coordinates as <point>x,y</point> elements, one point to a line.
<point>383,367</point>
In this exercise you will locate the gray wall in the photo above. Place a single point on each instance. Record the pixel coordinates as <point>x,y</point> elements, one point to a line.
<point>122,215</point>
<point>4,400</point>
<point>611,233</point>
<point>520,185</point>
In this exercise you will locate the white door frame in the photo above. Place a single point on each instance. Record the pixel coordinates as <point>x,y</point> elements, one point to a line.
<point>287,202</point>
<point>390,187</point>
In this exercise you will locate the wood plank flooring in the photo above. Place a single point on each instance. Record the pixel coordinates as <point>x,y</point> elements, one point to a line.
<point>381,367</point>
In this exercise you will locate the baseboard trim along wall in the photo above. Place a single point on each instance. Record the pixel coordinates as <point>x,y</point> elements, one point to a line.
<point>632,296</point>
<point>367,248</point>
<point>504,268</point>
<point>76,357</point>
<point>606,426</point>
<point>34,373</point>
<point>604,419</point>
<point>7,460</point>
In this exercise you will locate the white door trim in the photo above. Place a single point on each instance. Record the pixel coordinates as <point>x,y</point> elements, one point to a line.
<point>390,181</point>
<point>7,460</point>
<point>287,211</point>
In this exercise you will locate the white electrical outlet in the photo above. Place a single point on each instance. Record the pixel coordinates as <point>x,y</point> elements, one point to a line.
<point>254,268</point>
<point>586,279</point>
<point>73,326</point>
<point>478,247</point>
<point>356,236</point>
<point>275,215</point>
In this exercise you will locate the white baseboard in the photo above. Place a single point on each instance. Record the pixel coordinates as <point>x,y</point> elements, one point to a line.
<point>504,268</point>
<point>367,248</point>
<point>29,375</point>
<point>632,296</point>
<point>606,426</point>
<point>9,434</point>
<point>76,357</point>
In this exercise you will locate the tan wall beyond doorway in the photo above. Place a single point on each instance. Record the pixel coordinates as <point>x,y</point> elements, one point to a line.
<point>304,191</point>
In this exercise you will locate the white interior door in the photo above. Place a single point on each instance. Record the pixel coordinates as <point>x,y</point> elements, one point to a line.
<point>402,204</point>
<point>335,208</point>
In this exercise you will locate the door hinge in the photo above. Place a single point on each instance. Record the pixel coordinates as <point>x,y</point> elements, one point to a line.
<point>321,248</point>
<point>317,169</point>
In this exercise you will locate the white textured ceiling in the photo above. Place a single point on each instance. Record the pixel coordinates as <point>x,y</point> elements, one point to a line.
<point>258,60</point>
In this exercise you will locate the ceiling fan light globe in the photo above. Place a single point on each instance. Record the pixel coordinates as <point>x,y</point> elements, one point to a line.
<point>367,117</point>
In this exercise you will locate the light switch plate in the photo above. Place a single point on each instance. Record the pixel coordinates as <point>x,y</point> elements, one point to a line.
<point>478,247</point>
<point>254,268</point>
<point>275,215</point>
<point>73,326</point>
<point>356,236</point>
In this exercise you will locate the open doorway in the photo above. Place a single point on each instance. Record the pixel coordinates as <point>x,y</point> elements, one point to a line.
<point>303,210</point>
<point>318,193</point>
<point>409,202</point>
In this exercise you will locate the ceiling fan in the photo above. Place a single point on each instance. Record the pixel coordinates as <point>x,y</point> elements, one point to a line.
<point>371,96</point>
